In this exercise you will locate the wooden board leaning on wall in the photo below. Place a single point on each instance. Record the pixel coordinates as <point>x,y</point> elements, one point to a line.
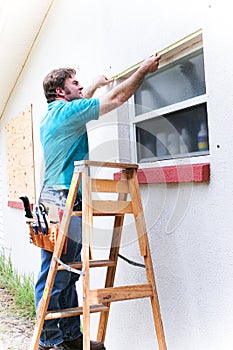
<point>20,158</point>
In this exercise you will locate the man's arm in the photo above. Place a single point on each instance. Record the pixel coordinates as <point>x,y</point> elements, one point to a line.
<point>122,92</point>
<point>99,81</point>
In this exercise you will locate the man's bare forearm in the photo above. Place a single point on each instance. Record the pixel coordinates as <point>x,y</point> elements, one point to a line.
<point>122,92</point>
<point>99,81</point>
<point>89,91</point>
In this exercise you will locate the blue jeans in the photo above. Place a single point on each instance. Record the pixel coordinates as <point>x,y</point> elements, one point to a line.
<point>64,294</point>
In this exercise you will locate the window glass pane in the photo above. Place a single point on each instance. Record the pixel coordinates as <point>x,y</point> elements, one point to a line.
<point>178,81</point>
<point>176,134</point>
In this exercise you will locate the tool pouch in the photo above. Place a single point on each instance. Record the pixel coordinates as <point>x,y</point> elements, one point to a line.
<point>45,241</point>
<point>43,233</point>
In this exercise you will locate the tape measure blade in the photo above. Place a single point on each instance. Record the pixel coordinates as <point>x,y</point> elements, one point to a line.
<point>162,52</point>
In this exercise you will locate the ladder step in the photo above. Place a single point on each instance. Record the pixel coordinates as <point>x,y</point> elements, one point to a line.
<point>51,315</point>
<point>93,263</point>
<point>106,185</point>
<point>79,213</point>
<point>120,293</point>
<point>109,208</point>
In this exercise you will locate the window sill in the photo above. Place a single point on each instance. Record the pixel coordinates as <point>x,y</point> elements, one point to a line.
<point>173,174</point>
<point>17,205</point>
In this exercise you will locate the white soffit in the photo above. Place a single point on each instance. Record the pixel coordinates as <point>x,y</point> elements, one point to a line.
<point>20,23</point>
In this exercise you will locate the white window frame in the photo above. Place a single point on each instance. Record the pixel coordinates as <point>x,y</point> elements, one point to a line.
<point>176,51</point>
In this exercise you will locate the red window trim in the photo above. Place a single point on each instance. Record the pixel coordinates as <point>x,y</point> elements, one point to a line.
<point>17,205</point>
<point>173,174</point>
<point>166,174</point>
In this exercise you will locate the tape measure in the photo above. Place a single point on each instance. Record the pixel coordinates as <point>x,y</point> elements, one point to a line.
<point>162,52</point>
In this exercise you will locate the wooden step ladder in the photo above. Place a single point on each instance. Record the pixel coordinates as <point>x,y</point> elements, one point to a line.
<point>99,300</point>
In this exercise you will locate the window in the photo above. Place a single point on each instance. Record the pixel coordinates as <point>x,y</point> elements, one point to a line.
<point>170,112</point>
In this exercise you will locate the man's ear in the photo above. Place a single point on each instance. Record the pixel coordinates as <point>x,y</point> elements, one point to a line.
<point>60,92</point>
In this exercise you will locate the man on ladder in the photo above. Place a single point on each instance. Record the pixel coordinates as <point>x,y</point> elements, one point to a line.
<point>64,141</point>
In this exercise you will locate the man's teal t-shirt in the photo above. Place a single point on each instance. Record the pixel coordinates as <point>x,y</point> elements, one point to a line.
<point>64,138</point>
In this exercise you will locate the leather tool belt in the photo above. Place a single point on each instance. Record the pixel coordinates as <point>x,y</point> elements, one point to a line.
<point>43,233</point>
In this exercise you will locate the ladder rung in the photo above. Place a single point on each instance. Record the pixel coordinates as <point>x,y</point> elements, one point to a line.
<point>93,263</point>
<point>109,207</point>
<point>79,213</point>
<point>50,315</point>
<point>105,295</point>
<point>106,185</point>
<point>76,213</point>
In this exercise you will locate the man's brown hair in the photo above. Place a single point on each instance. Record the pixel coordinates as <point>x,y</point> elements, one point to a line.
<point>56,79</point>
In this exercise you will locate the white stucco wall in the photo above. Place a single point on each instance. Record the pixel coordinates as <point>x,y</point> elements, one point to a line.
<point>193,255</point>
<point>1,205</point>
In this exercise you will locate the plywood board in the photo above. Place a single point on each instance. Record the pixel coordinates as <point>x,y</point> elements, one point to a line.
<point>20,157</point>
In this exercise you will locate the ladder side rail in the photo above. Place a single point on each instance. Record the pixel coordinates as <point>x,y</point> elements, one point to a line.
<point>87,223</point>
<point>111,270</point>
<point>60,242</point>
<point>145,252</point>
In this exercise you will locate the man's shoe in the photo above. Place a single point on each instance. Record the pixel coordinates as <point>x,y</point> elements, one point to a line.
<point>62,346</point>
<point>77,344</point>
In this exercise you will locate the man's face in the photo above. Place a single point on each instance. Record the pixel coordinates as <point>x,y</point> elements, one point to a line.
<point>72,89</point>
